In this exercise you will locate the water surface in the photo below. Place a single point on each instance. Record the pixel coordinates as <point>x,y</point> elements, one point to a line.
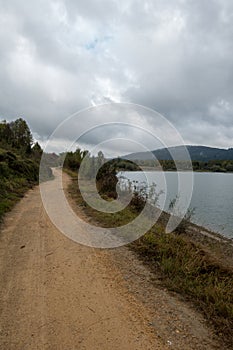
<point>212,196</point>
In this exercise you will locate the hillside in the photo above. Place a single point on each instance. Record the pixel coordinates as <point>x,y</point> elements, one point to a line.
<point>17,174</point>
<point>197,153</point>
<point>19,163</point>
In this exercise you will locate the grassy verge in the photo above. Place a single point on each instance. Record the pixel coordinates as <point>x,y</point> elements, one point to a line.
<point>183,266</point>
<point>17,175</point>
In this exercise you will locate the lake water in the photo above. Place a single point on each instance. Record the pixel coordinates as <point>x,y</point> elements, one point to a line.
<point>212,196</point>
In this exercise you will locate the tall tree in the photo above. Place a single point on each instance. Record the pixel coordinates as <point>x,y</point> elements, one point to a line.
<point>22,137</point>
<point>37,151</point>
<point>6,135</point>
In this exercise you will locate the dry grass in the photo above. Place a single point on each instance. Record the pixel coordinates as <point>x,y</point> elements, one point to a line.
<point>183,266</point>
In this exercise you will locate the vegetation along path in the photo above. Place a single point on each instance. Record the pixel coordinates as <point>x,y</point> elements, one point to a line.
<point>57,294</point>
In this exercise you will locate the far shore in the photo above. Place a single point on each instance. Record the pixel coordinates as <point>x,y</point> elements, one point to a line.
<point>148,168</point>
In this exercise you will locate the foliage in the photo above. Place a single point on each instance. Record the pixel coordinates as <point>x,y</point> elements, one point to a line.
<point>182,265</point>
<point>107,175</point>
<point>183,224</point>
<point>16,135</point>
<point>19,163</point>
<point>98,168</point>
<point>106,179</point>
<point>73,160</point>
<point>37,151</point>
<point>17,174</point>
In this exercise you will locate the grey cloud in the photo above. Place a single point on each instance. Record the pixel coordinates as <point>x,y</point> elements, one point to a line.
<point>176,57</point>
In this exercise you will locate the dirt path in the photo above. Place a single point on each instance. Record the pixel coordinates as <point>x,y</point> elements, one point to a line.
<point>57,294</point>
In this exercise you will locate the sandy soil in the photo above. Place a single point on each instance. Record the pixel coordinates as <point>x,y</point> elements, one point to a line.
<point>57,294</point>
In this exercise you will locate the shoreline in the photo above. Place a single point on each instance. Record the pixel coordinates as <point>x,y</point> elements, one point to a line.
<point>206,231</point>
<point>213,242</point>
<point>212,234</point>
<point>226,234</point>
<point>195,263</point>
<point>147,168</point>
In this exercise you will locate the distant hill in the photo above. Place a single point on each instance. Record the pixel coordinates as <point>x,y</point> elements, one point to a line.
<point>197,153</point>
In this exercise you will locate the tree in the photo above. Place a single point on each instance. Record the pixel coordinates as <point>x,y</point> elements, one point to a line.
<point>22,137</point>
<point>73,159</point>
<point>6,135</point>
<point>37,151</point>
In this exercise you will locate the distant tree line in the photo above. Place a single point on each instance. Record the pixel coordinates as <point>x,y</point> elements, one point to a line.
<point>169,165</point>
<point>99,168</point>
<point>90,163</point>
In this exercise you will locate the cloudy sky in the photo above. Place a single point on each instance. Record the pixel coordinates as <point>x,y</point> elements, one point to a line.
<point>57,57</point>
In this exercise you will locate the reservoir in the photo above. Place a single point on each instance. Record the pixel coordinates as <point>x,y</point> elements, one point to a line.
<point>212,196</point>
